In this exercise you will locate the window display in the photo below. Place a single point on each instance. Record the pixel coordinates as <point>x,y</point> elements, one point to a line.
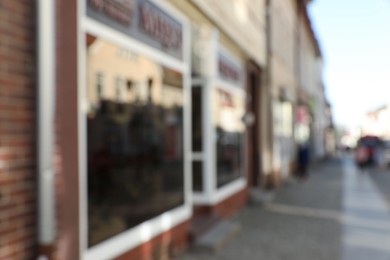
<point>229,109</point>
<point>134,139</point>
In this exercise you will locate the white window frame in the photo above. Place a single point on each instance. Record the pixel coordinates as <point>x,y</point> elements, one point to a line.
<point>211,194</point>
<point>128,240</point>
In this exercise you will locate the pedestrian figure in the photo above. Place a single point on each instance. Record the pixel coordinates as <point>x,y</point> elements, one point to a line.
<point>303,161</point>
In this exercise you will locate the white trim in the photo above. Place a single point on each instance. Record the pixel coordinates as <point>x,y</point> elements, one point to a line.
<point>82,133</point>
<point>197,156</point>
<point>46,80</point>
<point>93,27</point>
<point>199,198</point>
<point>221,194</point>
<point>130,239</point>
<point>187,112</point>
<point>209,141</point>
<point>198,82</point>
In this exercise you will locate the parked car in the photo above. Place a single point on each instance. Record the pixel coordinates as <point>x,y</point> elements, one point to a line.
<point>367,149</point>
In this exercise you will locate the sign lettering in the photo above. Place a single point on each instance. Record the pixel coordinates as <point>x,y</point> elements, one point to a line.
<point>142,20</point>
<point>154,23</point>
<point>121,11</point>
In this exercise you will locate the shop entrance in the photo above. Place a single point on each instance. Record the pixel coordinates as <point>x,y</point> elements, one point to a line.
<point>253,131</point>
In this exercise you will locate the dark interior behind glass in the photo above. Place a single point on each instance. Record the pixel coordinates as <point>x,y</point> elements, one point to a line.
<point>135,143</point>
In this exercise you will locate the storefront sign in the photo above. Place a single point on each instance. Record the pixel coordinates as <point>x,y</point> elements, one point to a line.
<point>142,20</point>
<point>158,26</point>
<point>121,11</point>
<point>228,69</point>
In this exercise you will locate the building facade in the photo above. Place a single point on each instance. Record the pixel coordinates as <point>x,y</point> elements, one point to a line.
<point>228,103</point>
<point>310,117</point>
<point>129,120</point>
<point>18,199</point>
<point>282,82</point>
<point>376,122</point>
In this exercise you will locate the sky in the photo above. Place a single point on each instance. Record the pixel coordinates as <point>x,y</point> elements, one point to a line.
<point>354,37</point>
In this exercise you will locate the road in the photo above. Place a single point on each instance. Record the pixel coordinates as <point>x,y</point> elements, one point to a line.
<point>340,212</point>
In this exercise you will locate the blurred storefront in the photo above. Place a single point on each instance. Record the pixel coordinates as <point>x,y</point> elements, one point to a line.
<point>150,113</point>
<point>227,103</point>
<point>139,163</point>
<point>218,130</point>
<point>133,121</point>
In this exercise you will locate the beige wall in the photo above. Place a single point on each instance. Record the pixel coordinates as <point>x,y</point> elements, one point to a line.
<point>240,21</point>
<point>283,25</point>
<point>282,77</point>
<point>311,84</point>
<point>283,21</point>
<point>308,60</point>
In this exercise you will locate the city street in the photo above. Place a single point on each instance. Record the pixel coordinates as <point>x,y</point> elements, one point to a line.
<point>340,212</point>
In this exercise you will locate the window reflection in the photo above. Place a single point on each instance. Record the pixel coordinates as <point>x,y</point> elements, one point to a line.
<point>228,111</point>
<point>135,139</point>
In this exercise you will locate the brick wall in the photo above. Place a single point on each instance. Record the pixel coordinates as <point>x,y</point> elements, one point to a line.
<point>233,204</point>
<point>227,207</point>
<point>17,130</point>
<point>67,244</point>
<point>165,246</point>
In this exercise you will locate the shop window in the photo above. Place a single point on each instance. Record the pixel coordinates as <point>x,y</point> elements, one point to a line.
<point>135,153</point>
<point>229,109</point>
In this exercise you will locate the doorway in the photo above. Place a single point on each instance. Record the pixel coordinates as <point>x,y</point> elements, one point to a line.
<point>254,131</point>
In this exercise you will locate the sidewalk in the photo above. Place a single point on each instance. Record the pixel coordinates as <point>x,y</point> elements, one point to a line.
<point>366,216</point>
<point>312,220</point>
<point>282,230</point>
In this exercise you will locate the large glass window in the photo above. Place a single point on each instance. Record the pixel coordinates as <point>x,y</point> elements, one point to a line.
<point>228,110</point>
<point>135,139</point>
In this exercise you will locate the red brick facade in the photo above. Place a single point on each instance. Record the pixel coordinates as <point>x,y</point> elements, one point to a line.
<point>164,246</point>
<point>232,205</point>
<point>227,207</point>
<point>68,243</point>
<point>17,130</point>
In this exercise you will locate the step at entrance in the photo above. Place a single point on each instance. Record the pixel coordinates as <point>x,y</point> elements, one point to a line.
<point>214,239</point>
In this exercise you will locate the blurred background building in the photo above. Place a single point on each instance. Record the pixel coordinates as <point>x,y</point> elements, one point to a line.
<point>377,122</point>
